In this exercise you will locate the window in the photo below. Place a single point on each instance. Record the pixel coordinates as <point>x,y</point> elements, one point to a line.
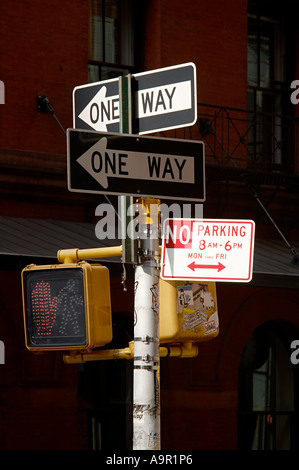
<point>265,76</point>
<point>111,51</point>
<point>266,393</point>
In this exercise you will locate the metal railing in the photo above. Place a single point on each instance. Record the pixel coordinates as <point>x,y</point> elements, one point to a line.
<point>244,138</point>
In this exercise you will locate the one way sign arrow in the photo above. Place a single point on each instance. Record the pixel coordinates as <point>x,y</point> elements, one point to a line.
<point>127,164</point>
<point>101,111</point>
<point>101,163</point>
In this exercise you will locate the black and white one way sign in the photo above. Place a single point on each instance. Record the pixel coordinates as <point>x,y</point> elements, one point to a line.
<point>126,164</point>
<point>163,99</point>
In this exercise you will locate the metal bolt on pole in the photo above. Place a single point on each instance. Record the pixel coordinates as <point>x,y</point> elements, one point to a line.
<point>146,389</point>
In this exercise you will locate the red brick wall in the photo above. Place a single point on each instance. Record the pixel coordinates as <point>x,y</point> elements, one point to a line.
<point>212,34</point>
<point>43,50</point>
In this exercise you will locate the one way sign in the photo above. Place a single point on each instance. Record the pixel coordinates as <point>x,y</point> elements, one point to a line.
<point>126,164</point>
<point>163,99</point>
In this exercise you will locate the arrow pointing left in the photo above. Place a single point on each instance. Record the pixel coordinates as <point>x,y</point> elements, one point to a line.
<point>101,110</point>
<point>103,163</point>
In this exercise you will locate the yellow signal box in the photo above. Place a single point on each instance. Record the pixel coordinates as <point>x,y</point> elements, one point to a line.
<point>66,306</point>
<point>188,311</point>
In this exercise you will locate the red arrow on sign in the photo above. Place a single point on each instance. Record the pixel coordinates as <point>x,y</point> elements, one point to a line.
<point>194,266</point>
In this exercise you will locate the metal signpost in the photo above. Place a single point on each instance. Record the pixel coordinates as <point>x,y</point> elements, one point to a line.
<point>146,372</point>
<point>130,166</point>
<point>146,387</point>
<point>105,157</point>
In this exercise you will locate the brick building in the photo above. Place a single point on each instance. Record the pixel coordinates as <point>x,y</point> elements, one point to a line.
<point>241,390</point>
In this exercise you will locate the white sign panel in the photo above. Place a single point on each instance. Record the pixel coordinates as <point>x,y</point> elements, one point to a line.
<point>162,100</point>
<point>208,249</point>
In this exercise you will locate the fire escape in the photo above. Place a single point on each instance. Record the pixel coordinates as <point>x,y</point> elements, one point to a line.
<point>257,149</point>
<point>260,148</point>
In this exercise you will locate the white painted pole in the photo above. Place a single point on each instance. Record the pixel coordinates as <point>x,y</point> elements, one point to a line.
<point>146,375</point>
<point>146,387</point>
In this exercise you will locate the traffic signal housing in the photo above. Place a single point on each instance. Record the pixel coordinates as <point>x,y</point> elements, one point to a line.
<point>66,306</point>
<point>188,311</point>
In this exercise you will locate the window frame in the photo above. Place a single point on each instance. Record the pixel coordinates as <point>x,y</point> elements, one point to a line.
<point>260,422</point>
<point>103,67</point>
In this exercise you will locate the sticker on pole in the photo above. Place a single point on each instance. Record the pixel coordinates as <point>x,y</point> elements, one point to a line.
<point>208,249</point>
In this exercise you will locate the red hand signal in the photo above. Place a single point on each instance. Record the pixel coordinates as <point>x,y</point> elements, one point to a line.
<point>44,308</point>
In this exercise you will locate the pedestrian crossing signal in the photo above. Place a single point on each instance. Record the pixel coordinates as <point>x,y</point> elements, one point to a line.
<point>66,306</point>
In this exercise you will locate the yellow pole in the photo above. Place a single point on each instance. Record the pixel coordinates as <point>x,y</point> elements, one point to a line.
<point>73,255</point>
<point>184,350</point>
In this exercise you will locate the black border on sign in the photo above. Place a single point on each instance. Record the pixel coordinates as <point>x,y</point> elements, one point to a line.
<point>164,77</point>
<point>79,180</point>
